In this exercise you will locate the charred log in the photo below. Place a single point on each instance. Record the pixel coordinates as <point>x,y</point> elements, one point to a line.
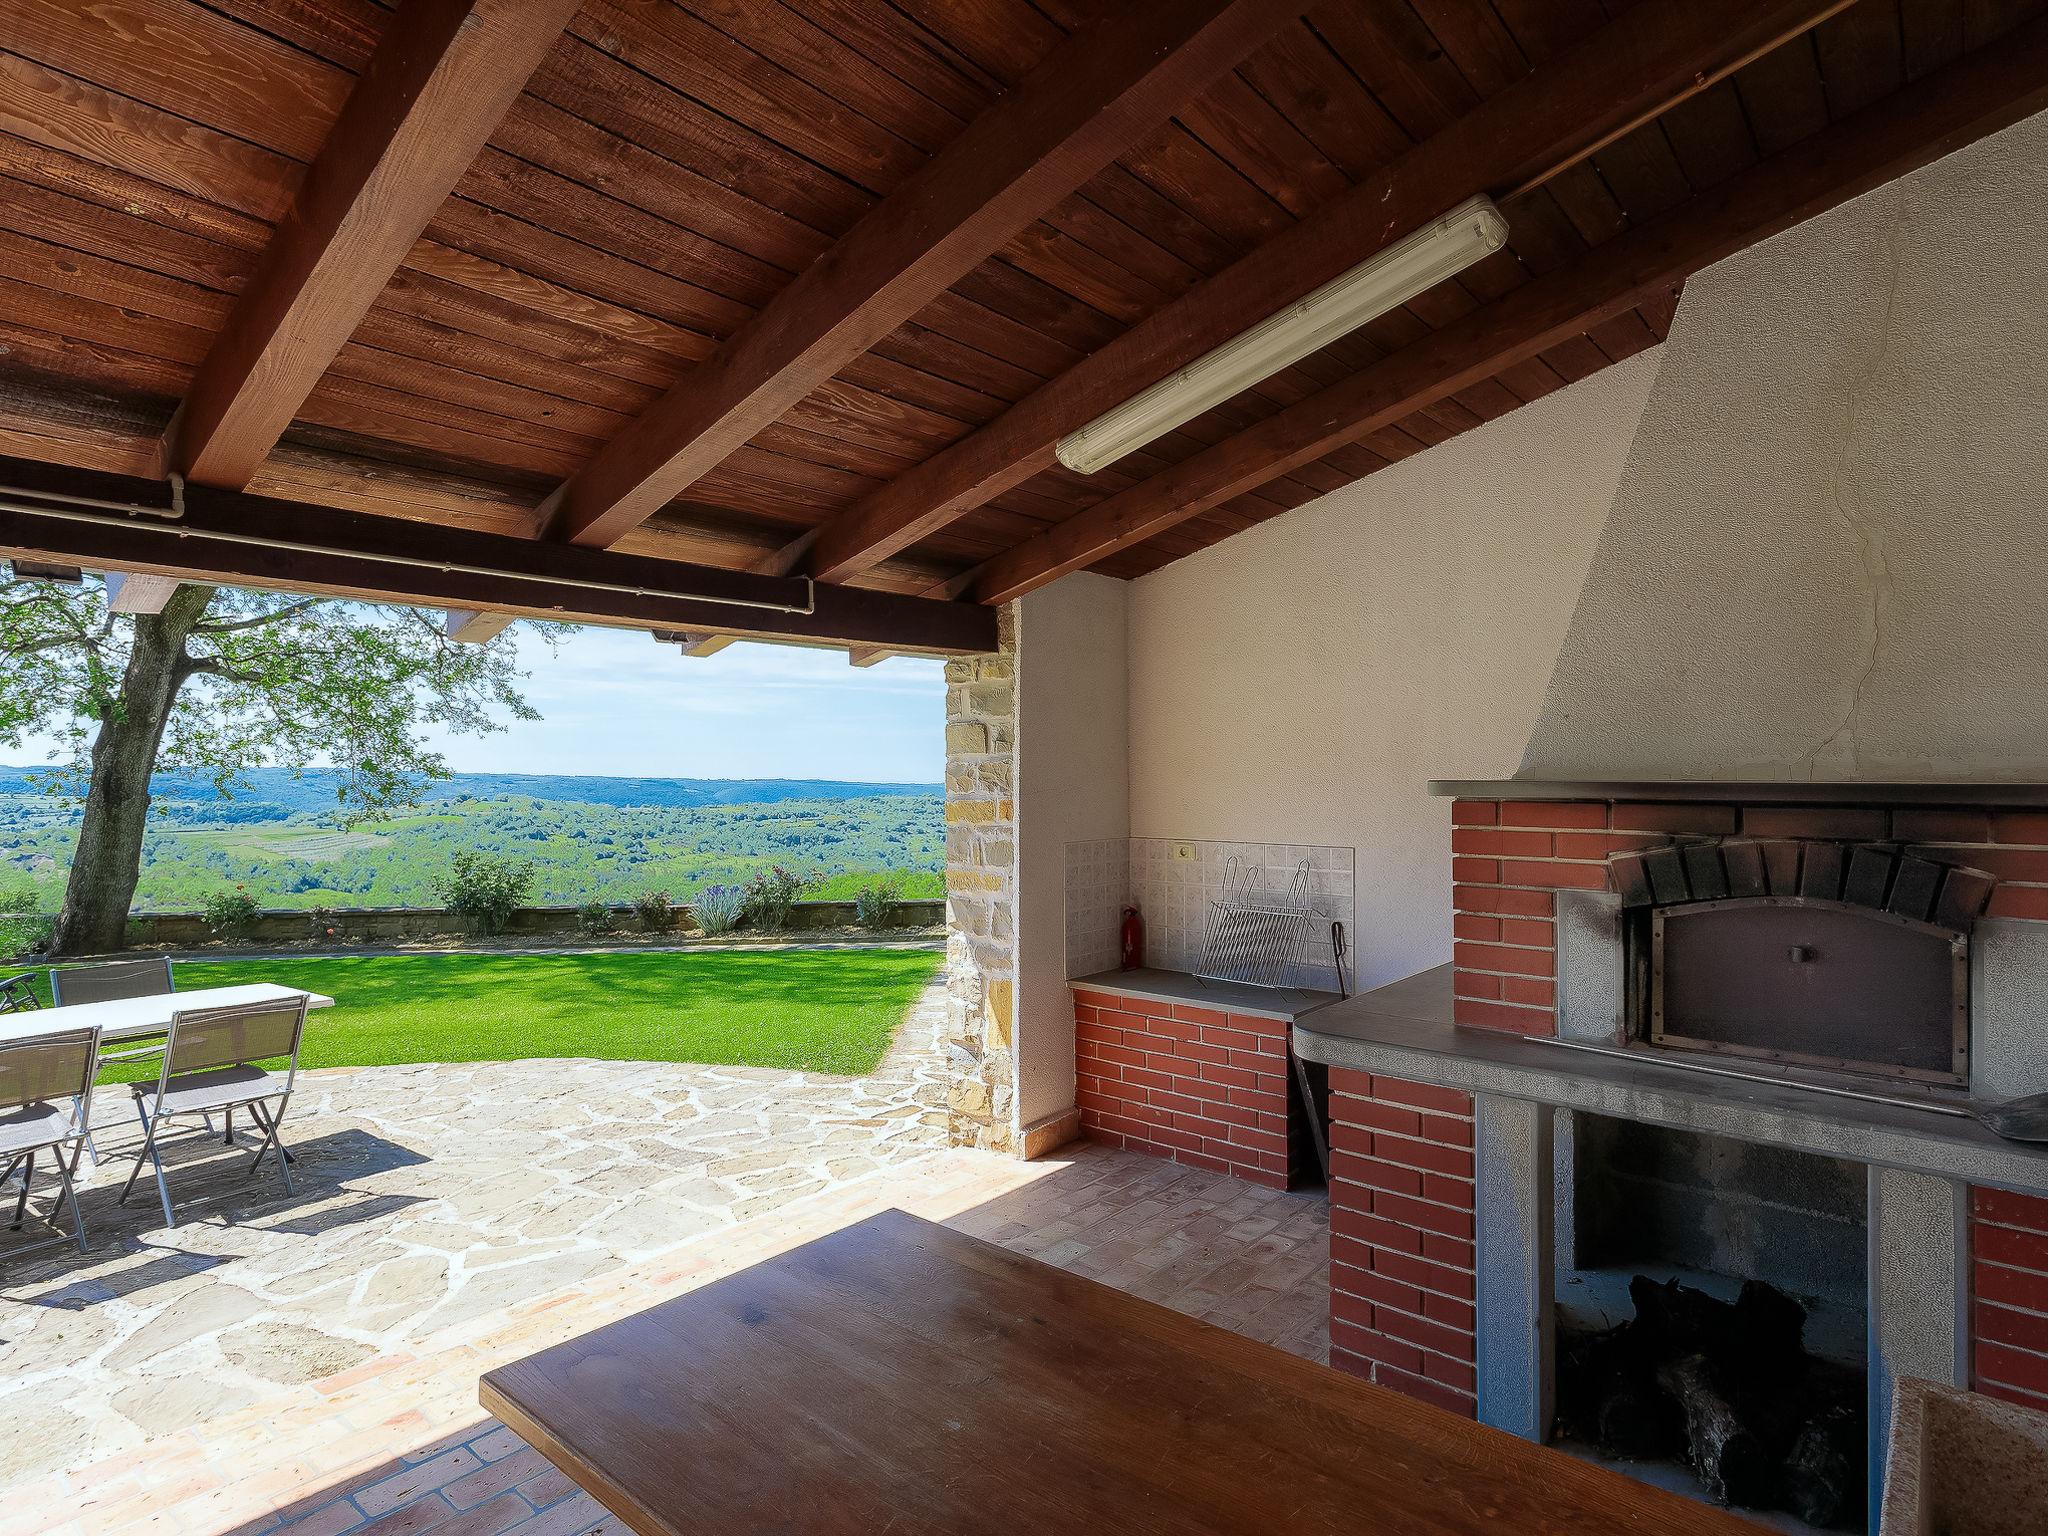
<point>1824,1469</point>
<point>1727,1388</point>
<point>1731,1460</point>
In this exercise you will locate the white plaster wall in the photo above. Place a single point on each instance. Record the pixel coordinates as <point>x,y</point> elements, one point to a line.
<point>1828,557</point>
<point>1300,682</point>
<point>1073,705</point>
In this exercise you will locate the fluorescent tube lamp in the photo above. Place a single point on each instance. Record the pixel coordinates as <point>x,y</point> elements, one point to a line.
<point>1386,280</point>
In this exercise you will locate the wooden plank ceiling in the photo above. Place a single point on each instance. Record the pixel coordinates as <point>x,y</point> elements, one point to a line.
<point>701,279</point>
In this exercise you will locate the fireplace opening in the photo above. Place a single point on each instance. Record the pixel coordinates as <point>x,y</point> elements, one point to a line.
<point>1711,1318</point>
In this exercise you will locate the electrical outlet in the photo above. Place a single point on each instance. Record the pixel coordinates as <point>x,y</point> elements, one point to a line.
<point>1183,852</point>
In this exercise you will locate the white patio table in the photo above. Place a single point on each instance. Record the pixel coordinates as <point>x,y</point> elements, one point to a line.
<point>132,1018</point>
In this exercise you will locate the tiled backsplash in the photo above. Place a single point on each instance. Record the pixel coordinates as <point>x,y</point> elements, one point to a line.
<point>1173,881</point>
<point>1098,890</point>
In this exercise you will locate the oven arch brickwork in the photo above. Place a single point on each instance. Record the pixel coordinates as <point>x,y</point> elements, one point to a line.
<point>1509,858</point>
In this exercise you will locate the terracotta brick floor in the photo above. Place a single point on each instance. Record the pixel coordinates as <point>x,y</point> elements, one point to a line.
<point>396,1446</point>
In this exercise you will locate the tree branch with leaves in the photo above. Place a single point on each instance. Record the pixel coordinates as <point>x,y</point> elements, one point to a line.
<point>223,681</point>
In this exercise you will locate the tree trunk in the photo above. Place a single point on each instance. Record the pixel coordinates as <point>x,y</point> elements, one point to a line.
<point>108,861</point>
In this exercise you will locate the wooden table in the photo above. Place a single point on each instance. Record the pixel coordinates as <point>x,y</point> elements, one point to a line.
<point>133,1018</point>
<point>897,1377</point>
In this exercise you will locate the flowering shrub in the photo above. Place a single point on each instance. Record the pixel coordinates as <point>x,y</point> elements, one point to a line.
<point>772,893</point>
<point>874,904</point>
<point>485,889</point>
<point>229,914</point>
<point>656,912</point>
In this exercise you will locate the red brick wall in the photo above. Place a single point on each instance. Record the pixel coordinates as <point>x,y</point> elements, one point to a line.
<point>2009,1307</point>
<point>1401,1237</point>
<point>1191,1084</point>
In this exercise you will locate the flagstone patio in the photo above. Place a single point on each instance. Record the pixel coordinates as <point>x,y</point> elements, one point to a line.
<point>430,1197</point>
<point>313,1360</point>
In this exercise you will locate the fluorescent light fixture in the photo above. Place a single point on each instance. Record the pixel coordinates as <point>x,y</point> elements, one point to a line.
<point>1384,281</point>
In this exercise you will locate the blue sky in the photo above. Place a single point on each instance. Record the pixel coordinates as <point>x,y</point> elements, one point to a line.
<point>615,701</point>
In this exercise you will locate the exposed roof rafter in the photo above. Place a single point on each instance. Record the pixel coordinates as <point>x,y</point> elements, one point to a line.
<point>1092,98</point>
<point>1653,56</point>
<point>237,539</point>
<point>1978,95</point>
<point>444,75</point>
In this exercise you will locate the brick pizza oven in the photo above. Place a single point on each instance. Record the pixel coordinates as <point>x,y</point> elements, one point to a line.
<point>1711,1034</point>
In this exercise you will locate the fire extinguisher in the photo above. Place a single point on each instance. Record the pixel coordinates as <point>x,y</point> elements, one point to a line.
<point>1133,940</point>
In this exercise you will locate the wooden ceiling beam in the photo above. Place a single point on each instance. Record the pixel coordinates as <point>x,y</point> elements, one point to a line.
<point>444,74</point>
<point>1653,56</point>
<point>1098,93</point>
<point>1957,105</point>
<point>55,513</point>
<point>472,627</point>
<point>130,593</point>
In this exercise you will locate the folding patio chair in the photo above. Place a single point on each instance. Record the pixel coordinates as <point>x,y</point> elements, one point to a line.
<point>213,1059</point>
<point>18,993</point>
<point>105,984</point>
<point>45,1101</point>
<point>115,979</point>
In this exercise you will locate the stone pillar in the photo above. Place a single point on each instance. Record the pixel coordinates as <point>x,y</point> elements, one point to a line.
<point>981,893</point>
<point>1919,1297</point>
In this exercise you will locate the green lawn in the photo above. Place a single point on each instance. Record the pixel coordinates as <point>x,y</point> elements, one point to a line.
<point>817,1010</point>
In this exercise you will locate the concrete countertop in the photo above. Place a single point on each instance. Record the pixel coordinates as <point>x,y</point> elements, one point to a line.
<point>1230,996</point>
<point>1405,1030</point>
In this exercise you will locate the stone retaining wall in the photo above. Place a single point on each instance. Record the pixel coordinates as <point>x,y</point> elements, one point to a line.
<point>374,924</point>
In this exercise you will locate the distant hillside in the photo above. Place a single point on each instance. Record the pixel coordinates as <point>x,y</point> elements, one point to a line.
<point>588,838</point>
<point>275,793</point>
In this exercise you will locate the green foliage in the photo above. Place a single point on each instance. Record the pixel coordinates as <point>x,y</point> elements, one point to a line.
<point>230,914</point>
<point>265,678</point>
<point>582,851</point>
<point>485,888</point>
<point>772,892</point>
<point>912,884</point>
<point>803,1010</point>
<point>656,912</point>
<point>23,926</point>
<point>719,908</point>
<point>874,904</point>
<point>595,917</point>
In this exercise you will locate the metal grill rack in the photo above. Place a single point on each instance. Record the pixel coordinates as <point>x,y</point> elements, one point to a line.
<point>1254,935</point>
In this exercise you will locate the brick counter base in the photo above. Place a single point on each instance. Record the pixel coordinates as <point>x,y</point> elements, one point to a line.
<point>1191,1084</point>
<point>1401,1238</point>
<point>2009,1304</point>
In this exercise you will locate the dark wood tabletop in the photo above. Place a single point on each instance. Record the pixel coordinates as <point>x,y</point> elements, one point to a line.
<point>898,1377</point>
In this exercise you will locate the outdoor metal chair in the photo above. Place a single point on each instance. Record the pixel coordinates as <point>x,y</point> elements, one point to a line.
<point>45,1102</point>
<point>213,1059</point>
<point>18,993</point>
<point>108,983</point>
<point>115,979</point>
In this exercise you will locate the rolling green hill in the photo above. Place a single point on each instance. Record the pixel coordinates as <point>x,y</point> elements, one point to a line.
<point>592,839</point>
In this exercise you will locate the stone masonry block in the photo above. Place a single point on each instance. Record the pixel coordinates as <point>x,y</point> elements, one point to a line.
<point>966,737</point>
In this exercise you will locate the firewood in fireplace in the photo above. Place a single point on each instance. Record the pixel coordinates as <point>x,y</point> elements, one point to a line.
<point>1732,1462</point>
<point>1727,1388</point>
<point>1824,1474</point>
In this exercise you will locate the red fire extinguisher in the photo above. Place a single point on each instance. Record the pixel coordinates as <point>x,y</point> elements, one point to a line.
<point>1133,940</point>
